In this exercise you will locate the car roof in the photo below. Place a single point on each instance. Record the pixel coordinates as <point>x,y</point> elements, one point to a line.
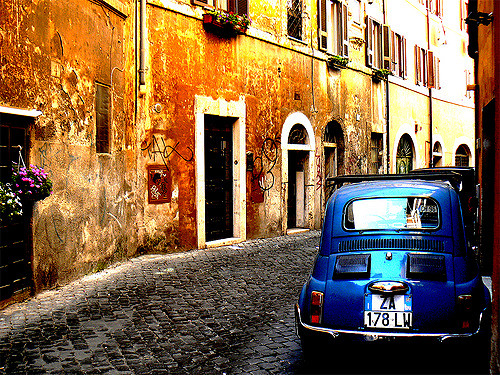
<point>382,188</point>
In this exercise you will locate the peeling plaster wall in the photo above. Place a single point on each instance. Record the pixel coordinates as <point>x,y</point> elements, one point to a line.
<point>276,77</point>
<point>51,56</point>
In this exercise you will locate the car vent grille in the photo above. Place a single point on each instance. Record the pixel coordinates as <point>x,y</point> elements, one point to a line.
<point>392,243</point>
<point>426,266</point>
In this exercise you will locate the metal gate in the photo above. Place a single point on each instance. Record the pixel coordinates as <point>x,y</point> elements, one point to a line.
<point>15,257</point>
<point>218,177</point>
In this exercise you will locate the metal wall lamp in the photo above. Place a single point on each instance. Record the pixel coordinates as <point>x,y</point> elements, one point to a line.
<point>479,18</point>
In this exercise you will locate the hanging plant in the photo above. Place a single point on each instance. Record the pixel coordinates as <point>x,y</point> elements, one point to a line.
<point>31,183</point>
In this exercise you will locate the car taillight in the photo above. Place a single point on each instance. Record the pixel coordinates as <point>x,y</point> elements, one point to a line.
<point>464,309</point>
<point>316,307</point>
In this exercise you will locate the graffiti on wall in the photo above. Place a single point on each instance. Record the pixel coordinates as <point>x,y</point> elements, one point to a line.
<point>157,149</point>
<point>319,174</point>
<point>263,171</point>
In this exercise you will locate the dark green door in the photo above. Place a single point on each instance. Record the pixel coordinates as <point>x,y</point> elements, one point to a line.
<point>15,259</point>
<point>218,177</point>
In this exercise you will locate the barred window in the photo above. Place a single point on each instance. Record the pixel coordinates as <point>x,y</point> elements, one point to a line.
<point>294,12</point>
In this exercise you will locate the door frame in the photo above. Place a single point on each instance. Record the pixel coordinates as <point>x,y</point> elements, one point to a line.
<point>219,107</point>
<point>310,148</point>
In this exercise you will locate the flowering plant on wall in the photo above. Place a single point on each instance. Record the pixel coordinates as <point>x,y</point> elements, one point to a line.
<point>10,203</point>
<point>31,183</point>
<point>221,18</point>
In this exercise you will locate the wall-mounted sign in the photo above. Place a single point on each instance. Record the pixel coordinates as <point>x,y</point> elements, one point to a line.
<point>159,184</point>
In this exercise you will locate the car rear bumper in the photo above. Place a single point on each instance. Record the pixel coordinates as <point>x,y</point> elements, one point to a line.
<point>339,334</point>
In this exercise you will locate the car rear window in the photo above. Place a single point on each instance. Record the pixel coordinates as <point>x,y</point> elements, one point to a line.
<point>392,213</point>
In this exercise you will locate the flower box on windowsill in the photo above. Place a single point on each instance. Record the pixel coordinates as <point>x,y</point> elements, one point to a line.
<point>379,75</point>
<point>225,24</point>
<point>337,62</point>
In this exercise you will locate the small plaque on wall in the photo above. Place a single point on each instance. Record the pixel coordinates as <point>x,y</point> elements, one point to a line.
<point>159,184</point>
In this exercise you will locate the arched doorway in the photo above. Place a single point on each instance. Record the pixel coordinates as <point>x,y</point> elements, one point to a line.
<point>297,143</point>
<point>462,156</point>
<point>437,155</point>
<point>404,155</point>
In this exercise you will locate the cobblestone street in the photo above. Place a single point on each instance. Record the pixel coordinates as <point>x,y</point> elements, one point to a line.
<point>227,310</point>
<point>223,310</point>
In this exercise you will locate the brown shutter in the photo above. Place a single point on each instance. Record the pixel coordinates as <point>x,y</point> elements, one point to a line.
<point>436,73</point>
<point>386,47</point>
<point>403,58</point>
<point>322,26</point>
<point>345,32</point>
<point>395,53</point>
<point>237,6</point>
<point>369,41</point>
<point>431,81</point>
<point>418,70</point>
<point>242,7</point>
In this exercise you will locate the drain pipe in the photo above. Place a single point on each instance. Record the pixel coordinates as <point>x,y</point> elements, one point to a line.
<point>387,106</point>
<point>430,89</point>
<point>142,47</point>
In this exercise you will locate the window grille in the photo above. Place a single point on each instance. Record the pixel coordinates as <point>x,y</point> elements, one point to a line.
<point>295,18</point>
<point>461,157</point>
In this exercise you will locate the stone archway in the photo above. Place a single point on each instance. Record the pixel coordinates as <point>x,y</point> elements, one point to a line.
<point>298,147</point>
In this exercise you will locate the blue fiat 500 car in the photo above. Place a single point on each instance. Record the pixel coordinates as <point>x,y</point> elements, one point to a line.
<point>394,262</point>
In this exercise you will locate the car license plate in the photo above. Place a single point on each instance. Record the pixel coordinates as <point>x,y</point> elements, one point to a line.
<point>388,311</point>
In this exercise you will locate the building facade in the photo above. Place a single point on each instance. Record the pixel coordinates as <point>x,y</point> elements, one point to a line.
<point>174,125</point>
<point>484,48</point>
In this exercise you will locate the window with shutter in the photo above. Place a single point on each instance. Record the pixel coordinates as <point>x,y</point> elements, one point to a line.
<point>369,41</point>
<point>386,47</point>
<point>404,70</point>
<point>345,34</point>
<point>431,82</point>
<point>322,25</point>
<point>395,63</point>
<point>238,6</point>
<point>374,44</point>
<point>418,70</point>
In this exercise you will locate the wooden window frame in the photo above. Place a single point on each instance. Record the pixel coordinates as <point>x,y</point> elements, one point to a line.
<point>333,27</point>
<point>374,37</point>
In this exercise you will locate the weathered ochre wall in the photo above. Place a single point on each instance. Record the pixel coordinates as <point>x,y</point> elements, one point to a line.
<point>276,77</point>
<point>51,56</point>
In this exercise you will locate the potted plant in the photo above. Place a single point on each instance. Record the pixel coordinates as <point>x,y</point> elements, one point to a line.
<point>380,74</point>
<point>337,62</point>
<point>227,22</point>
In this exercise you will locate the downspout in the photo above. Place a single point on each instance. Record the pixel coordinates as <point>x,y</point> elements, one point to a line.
<point>387,108</point>
<point>142,47</point>
<point>430,89</point>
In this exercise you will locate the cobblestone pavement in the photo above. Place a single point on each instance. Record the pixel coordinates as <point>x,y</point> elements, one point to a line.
<point>227,310</point>
<point>223,310</point>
